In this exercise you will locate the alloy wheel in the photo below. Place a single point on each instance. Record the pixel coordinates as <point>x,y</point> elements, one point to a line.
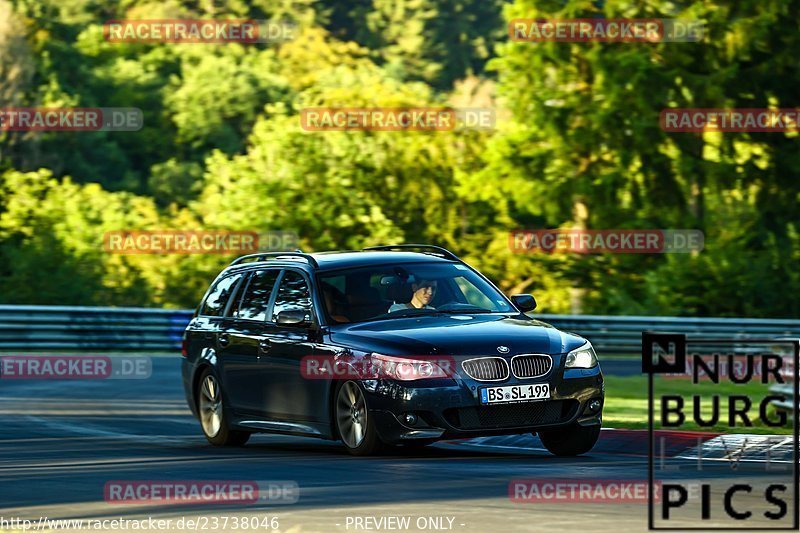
<point>210,406</point>
<point>351,414</point>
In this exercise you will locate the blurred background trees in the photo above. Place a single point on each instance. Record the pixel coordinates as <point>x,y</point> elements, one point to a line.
<point>577,142</point>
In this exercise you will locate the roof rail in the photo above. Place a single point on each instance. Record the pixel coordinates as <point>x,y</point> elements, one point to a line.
<point>423,248</point>
<point>275,255</point>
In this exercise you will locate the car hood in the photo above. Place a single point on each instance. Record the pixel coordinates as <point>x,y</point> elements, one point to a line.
<point>455,335</point>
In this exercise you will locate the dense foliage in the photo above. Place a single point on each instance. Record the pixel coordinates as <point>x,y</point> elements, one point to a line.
<point>577,144</point>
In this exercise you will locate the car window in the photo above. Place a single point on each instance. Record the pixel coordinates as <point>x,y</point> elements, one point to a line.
<point>337,282</point>
<point>236,298</point>
<point>219,295</point>
<point>376,292</point>
<point>472,294</point>
<point>255,302</point>
<point>293,294</point>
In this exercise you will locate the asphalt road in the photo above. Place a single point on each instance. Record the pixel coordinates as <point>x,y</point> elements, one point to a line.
<point>63,441</point>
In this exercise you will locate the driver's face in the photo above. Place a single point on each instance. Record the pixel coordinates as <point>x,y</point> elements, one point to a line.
<point>424,291</point>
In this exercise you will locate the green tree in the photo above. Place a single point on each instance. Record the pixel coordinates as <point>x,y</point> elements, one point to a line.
<point>587,132</point>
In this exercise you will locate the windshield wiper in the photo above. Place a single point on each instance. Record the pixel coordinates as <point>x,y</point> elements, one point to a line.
<point>445,310</point>
<point>463,309</point>
<point>406,313</point>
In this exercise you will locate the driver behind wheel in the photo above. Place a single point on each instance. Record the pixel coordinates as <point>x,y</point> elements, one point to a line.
<point>422,294</point>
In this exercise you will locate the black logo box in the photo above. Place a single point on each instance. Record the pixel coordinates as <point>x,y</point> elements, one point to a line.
<point>673,345</point>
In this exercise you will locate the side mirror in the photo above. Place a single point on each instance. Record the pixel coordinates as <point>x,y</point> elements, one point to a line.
<point>525,302</point>
<point>294,317</point>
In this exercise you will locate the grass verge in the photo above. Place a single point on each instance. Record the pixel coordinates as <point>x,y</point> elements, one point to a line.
<point>626,404</point>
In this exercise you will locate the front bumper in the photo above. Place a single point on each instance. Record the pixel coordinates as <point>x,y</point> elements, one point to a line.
<point>451,409</point>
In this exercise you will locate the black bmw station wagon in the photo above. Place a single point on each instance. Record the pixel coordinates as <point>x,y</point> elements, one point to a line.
<point>390,345</point>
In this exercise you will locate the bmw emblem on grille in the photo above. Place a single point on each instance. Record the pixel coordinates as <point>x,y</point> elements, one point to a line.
<point>502,349</point>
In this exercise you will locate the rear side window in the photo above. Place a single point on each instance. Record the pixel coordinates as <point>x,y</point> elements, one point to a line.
<point>256,298</point>
<point>293,294</point>
<point>219,295</point>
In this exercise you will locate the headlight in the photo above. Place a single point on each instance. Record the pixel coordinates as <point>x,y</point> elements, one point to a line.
<point>583,357</point>
<point>403,369</point>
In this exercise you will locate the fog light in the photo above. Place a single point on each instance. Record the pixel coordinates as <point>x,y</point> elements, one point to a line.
<point>408,419</point>
<point>593,406</point>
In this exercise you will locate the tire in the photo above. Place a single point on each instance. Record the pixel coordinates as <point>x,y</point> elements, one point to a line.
<point>211,412</point>
<point>354,426</point>
<point>571,441</point>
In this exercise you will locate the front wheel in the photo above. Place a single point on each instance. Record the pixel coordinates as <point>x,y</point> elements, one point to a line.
<point>356,428</point>
<point>571,441</point>
<point>212,414</point>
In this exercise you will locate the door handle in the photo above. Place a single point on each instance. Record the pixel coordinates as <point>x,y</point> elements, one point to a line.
<point>224,339</point>
<point>264,345</point>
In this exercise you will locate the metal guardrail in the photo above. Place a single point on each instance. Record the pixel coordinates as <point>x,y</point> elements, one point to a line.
<point>623,334</point>
<point>33,327</point>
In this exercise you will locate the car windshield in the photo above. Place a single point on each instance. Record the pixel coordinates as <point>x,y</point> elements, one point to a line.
<point>414,289</point>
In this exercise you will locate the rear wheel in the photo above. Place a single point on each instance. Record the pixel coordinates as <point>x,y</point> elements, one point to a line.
<point>356,428</point>
<point>570,441</point>
<point>212,414</point>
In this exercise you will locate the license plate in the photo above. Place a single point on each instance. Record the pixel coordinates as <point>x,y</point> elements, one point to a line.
<point>515,393</point>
